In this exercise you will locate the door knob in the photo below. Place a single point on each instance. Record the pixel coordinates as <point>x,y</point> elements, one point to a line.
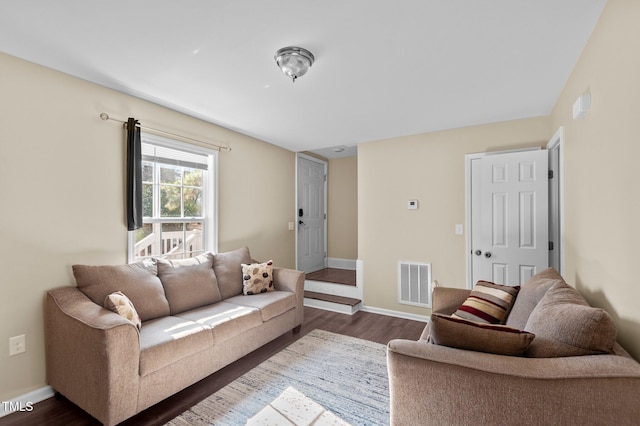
<point>300,222</point>
<point>478,252</point>
<point>487,254</point>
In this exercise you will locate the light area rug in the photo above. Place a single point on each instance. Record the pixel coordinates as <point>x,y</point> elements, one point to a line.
<point>345,375</point>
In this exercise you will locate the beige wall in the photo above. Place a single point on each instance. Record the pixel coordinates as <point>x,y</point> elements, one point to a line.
<point>602,188</point>
<point>342,208</point>
<point>62,192</point>
<point>430,168</point>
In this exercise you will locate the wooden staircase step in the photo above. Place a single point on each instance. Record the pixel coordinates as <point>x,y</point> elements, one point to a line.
<point>349,301</point>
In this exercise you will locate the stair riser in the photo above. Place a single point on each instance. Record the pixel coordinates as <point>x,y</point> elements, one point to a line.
<point>334,289</point>
<point>331,306</point>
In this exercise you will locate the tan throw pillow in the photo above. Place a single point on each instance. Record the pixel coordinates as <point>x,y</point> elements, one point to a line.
<point>189,283</point>
<point>229,272</point>
<point>529,296</point>
<point>565,325</point>
<point>139,281</point>
<point>121,305</point>
<point>488,303</point>
<point>257,278</point>
<point>480,337</point>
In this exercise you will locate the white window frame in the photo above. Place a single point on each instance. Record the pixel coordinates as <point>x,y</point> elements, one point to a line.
<point>210,187</point>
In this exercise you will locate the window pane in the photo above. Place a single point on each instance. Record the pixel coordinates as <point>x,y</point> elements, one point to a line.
<point>192,177</point>
<point>147,172</point>
<point>144,242</point>
<point>192,202</point>
<point>171,174</point>
<point>147,199</point>
<point>194,242</point>
<point>172,240</point>
<point>170,205</point>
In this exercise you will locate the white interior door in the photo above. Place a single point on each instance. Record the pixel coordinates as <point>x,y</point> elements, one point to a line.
<point>509,225</point>
<point>312,255</point>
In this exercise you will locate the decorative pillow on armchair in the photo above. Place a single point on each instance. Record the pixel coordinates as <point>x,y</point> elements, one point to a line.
<point>488,303</point>
<point>257,278</point>
<point>473,336</point>
<point>565,325</point>
<point>120,304</point>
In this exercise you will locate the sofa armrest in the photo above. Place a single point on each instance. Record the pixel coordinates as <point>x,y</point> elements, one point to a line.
<point>446,299</point>
<point>291,280</point>
<point>432,384</point>
<point>92,355</point>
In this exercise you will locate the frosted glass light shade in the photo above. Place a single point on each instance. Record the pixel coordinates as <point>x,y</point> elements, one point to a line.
<point>294,61</point>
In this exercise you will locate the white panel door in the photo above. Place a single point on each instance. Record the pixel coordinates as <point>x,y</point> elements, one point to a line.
<point>311,215</point>
<point>510,237</point>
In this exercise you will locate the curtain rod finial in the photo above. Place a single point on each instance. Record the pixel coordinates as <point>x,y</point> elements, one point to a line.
<point>104,116</point>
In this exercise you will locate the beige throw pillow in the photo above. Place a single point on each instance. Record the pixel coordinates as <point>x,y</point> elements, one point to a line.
<point>565,325</point>
<point>139,281</point>
<point>120,304</point>
<point>229,272</point>
<point>529,296</point>
<point>189,283</point>
<point>257,278</point>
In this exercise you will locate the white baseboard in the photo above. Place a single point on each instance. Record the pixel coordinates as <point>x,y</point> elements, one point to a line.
<point>349,264</point>
<point>25,402</point>
<point>397,314</point>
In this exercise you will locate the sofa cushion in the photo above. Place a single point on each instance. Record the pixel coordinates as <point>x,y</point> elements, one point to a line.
<point>565,325</point>
<point>492,338</point>
<point>226,320</point>
<point>166,340</point>
<point>529,295</point>
<point>488,303</point>
<point>120,304</point>
<point>189,283</point>
<point>257,278</point>
<point>271,304</point>
<point>137,280</point>
<point>229,272</point>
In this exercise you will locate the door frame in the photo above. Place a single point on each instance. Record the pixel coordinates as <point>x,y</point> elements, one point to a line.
<point>556,210</point>
<point>325,164</point>
<point>468,159</point>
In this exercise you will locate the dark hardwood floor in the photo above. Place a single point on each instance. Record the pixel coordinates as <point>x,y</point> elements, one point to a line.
<point>373,327</point>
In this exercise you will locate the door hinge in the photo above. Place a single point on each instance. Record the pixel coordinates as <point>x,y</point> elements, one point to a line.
<point>550,174</point>
<point>325,216</point>
<point>550,245</point>
<point>325,178</point>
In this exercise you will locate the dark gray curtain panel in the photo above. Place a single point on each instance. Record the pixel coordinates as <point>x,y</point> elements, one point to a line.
<point>134,175</point>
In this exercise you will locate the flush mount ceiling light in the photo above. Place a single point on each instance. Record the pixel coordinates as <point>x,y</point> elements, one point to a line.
<point>294,61</point>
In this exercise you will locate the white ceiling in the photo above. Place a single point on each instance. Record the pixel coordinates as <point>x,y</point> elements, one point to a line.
<point>383,68</point>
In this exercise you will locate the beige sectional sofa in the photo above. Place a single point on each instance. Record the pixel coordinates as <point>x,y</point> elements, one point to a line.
<point>195,320</point>
<point>572,372</point>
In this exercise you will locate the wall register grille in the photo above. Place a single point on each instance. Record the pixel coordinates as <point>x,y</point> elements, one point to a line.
<point>414,283</point>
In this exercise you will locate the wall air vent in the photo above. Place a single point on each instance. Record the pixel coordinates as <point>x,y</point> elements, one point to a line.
<point>414,283</point>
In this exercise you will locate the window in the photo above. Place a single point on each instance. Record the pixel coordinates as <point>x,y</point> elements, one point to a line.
<point>178,201</point>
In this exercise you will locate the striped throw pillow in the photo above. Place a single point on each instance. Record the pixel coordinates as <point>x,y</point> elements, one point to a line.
<point>488,303</point>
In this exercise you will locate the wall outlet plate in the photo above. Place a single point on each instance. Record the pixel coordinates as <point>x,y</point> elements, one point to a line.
<point>17,345</point>
<point>412,204</point>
